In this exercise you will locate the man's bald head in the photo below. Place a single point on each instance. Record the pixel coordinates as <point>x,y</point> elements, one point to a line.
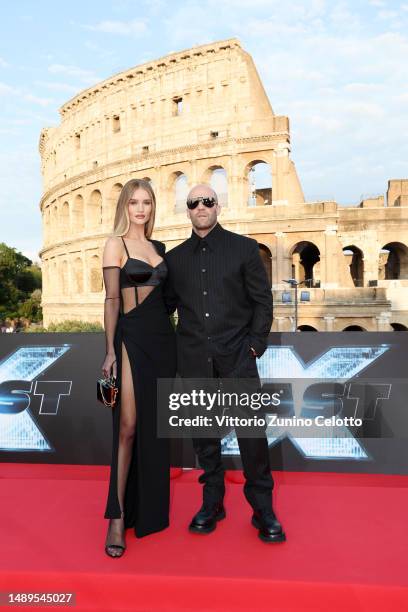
<point>202,217</point>
<point>202,189</point>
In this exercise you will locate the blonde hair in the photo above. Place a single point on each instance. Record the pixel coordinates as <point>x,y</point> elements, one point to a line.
<point>122,222</point>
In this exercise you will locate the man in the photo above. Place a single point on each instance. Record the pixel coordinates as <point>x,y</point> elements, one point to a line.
<point>219,286</point>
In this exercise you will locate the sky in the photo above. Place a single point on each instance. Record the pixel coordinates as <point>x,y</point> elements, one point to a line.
<point>337,69</point>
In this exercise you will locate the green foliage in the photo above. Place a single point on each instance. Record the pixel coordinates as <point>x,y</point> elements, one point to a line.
<point>67,326</point>
<point>20,286</point>
<point>31,308</point>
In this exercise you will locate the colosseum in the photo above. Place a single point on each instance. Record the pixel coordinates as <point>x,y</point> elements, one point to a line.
<point>202,115</point>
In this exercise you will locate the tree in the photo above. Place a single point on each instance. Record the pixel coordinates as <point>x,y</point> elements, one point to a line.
<point>20,285</point>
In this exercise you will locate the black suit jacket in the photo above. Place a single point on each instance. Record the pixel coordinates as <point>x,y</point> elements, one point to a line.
<point>219,286</point>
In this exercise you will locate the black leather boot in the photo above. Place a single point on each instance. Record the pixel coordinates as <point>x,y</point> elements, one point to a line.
<point>205,521</point>
<point>270,529</point>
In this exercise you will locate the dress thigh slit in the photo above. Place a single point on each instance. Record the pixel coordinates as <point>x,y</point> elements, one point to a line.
<point>149,342</point>
<point>125,453</point>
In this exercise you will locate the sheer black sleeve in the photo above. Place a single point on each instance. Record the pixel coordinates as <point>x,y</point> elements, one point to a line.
<point>112,303</point>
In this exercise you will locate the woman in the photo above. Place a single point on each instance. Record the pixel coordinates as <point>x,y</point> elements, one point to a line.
<point>140,347</point>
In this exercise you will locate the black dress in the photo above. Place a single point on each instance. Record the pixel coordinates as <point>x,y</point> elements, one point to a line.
<point>149,338</point>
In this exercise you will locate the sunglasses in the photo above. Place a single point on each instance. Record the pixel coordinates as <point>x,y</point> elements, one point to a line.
<point>208,202</point>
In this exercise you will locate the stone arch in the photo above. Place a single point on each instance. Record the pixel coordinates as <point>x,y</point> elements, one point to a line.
<point>64,278</point>
<point>180,188</point>
<point>50,224</point>
<point>78,276</point>
<point>354,328</point>
<point>306,328</point>
<point>54,221</point>
<point>305,257</point>
<point>355,262</point>
<point>45,277</point>
<point>258,174</point>
<point>110,204</point>
<point>149,180</point>
<point>53,277</point>
<point>65,220</point>
<point>95,274</point>
<point>398,327</point>
<point>217,177</point>
<point>42,265</point>
<point>78,214</point>
<point>393,261</point>
<point>47,224</point>
<point>94,209</point>
<point>266,257</point>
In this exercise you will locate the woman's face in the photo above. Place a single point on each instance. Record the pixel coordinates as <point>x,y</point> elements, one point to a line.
<point>140,206</point>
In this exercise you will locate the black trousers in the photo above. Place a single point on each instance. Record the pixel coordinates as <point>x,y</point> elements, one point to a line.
<point>254,456</point>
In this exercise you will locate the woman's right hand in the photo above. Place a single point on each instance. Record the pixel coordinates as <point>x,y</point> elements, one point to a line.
<point>109,364</point>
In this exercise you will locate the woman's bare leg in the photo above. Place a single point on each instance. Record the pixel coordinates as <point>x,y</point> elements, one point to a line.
<point>116,530</point>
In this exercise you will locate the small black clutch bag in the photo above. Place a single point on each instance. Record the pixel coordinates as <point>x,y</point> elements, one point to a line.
<point>107,391</point>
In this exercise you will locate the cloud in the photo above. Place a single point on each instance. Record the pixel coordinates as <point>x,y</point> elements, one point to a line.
<point>86,76</point>
<point>54,85</point>
<point>8,132</point>
<point>122,28</point>
<point>7,89</point>
<point>101,50</point>
<point>27,116</point>
<point>362,109</point>
<point>154,7</point>
<point>38,100</point>
<point>363,88</point>
<point>329,125</point>
<point>272,27</point>
<point>401,97</point>
<point>387,14</point>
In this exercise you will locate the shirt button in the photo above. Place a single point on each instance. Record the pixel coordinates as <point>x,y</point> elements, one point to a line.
<point>208,337</point>
<point>203,249</point>
<point>204,293</point>
<point>207,314</point>
<point>203,270</point>
<point>209,359</point>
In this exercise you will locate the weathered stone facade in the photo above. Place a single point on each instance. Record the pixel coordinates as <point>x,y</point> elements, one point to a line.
<point>202,115</point>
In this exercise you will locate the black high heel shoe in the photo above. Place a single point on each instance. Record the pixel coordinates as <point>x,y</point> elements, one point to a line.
<point>117,547</point>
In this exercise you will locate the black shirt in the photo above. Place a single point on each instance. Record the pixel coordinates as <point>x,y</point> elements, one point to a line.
<point>219,286</point>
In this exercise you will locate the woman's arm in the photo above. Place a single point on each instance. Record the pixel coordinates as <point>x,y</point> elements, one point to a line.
<point>112,304</point>
<point>111,273</point>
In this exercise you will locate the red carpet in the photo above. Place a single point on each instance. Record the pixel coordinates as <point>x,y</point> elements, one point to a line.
<point>346,549</point>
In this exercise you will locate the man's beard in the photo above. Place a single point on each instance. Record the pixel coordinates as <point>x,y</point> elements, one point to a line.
<point>204,223</point>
